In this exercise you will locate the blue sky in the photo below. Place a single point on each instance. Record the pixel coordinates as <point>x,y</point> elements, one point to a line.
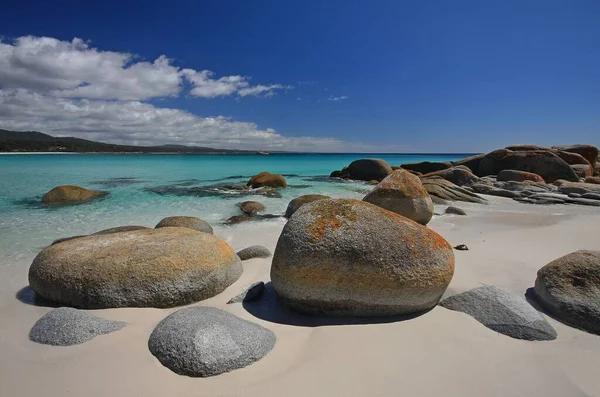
<point>429,76</point>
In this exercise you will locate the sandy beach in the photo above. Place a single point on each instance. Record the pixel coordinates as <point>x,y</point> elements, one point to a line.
<point>439,352</point>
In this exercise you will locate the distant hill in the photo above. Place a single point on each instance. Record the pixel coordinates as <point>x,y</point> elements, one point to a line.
<point>33,141</point>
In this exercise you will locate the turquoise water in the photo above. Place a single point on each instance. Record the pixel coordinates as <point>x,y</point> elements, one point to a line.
<point>146,188</point>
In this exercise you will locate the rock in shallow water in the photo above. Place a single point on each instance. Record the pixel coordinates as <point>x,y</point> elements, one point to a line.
<point>254,251</point>
<point>502,312</point>
<point>205,341</point>
<point>352,258</point>
<point>163,267</point>
<point>71,194</point>
<point>66,326</point>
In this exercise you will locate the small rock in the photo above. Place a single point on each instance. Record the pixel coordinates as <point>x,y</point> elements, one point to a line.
<point>205,341</point>
<point>455,211</point>
<point>255,251</point>
<point>234,220</point>
<point>461,247</point>
<point>251,207</point>
<point>502,312</point>
<point>66,326</point>
<point>189,222</point>
<point>252,293</point>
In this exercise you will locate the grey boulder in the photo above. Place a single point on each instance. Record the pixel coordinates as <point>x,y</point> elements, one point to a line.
<point>503,312</point>
<point>205,341</point>
<point>66,326</point>
<point>254,251</point>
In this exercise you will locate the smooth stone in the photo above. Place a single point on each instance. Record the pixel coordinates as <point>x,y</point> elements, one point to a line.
<point>455,211</point>
<point>460,175</point>
<point>66,326</point>
<point>205,341</point>
<point>368,169</point>
<point>71,194</point>
<point>254,251</point>
<point>190,222</point>
<point>266,179</point>
<point>251,207</point>
<point>503,312</point>
<point>252,293</point>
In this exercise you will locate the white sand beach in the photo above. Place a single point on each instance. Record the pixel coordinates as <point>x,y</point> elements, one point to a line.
<point>441,352</point>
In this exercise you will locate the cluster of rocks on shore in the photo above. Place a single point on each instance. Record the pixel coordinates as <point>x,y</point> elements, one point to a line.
<point>335,257</point>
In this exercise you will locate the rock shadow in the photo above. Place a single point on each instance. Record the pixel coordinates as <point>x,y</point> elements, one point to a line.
<point>270,308</point>
<point>28,296</point>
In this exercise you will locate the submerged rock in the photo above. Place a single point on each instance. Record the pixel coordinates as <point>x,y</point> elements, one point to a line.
<point>163,267</point>
<point>266,179</point>
<point>190,222</point>
<point>298,202</point>
<point>254,251</point>
<point>351,258</point>
<point>205,341</point>
<point>252,293</point>
<point>402,193</point>
<point>569,288</point>
<point>503,312</point>
<point>66,326</point>
<point>71,194</point>
<point>252,207</point>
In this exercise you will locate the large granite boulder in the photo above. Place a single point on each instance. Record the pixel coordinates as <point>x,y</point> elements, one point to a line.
<point>546,164</point>
<point>460,175</point>
<point>351,258</point>
<point>254,251</point>
<point>503,312</point>
<point>164,267</point>
<point>588,152</point>
<point>402,193</point>
<point>190,222</point>
<point>66,326</point>
<point>252,207</point>
<point>426,167</point>
<point>267,179</point>
<point>446,190</point>
<point>369,169</point>
<point>205,341</point>
<point>519,176</point>
<point>471,162</point>
<point>569,288</point>
<point>298,202</point>
<point>71,194</point>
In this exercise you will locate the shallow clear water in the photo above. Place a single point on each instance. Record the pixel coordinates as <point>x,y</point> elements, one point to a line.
<point>146,188</point>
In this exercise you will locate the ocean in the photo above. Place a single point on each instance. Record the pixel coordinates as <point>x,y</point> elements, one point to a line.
<point>148,187</point>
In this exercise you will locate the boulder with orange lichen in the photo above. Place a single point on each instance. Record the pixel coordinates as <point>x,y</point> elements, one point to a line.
<point>351,258</point>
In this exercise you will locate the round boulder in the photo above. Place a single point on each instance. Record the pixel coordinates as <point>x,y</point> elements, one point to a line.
<point>254,251</point>
<point>189,222</point>
<point>267,179</point>
<point>205,341</point>
<point>298,202</point>
<point>569,288</point>
<point>251,207</point>
<point>369,169</point>
<point>71,194</point>
<point>351,258</point>
<point>163,267</point>
<point>402,193</point>
<point>519,176</point>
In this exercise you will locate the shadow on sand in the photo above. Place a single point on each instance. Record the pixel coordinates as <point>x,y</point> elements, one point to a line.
<point>27,295</point>
<point>270,308</point>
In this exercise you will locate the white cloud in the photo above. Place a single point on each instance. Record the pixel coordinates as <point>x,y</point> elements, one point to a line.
<point>134,122</point>
<point>337,98</point>
<point>73,69</point>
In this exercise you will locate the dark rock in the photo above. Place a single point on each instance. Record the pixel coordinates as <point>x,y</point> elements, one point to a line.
<point>351,258</point>
<point>189,222</point>
<point>446,190</point>
<point>298,202</point>
<point>254,251</point>
<point>426,167</point>
<point>251,207</point>
<point>402,193</point>
<point>71,194</point>
<point>455,211</point>
<point>369,169</point>
<point>266,179</point>
<point>546,164</point>
<point>234,220</point>
<point>164,267</point>
<point>519,176</point>
<point>461,247</point>
<point>252,293</point>
<point>205,341</point>
<point>591,196</point>
<point>66,326</point>
<point>471,162</point>
<point>335,174</point>
<point>503,312</point>
<point>569,288</point>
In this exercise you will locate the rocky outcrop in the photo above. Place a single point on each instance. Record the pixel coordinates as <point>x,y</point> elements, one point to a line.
<point>402,193</point>
<point>519,176</point>
<point>445,190</point>
<point>162,267</point>
<point>546,164</point>
<point>503,312</point>
<point>205,341</point>
<point>71,194</point>
<point>266,179</point>
<point>351,258</point>
<point>189,222</point>
<point>366,170</point>
<point>569,288</point>
<point>254,251</point>
<point>588,152</point>
<point>66,326</point>
<point>252,207</point>
<point>460,175</point>
<point>426,167</point>
<point>252,293</point>
<point>298,202</point>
